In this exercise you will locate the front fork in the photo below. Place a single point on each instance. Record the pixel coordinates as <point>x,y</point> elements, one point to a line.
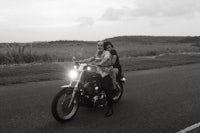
<point>73,96</point>
<point>75,88</point>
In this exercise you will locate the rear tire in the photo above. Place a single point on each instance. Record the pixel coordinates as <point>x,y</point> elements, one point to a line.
<point>59,107</point>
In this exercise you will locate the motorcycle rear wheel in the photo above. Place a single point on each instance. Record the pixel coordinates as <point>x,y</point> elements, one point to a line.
<point>60,109</point>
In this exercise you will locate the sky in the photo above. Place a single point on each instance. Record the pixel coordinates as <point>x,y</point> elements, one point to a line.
<point>92,20</point>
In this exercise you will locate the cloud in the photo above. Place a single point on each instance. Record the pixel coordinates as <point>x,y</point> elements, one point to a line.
<point>113,14</point>
<point>153,9</point>
<point>156,23</point>
<point>166,8</point>
<point>62,17</point>
<point>85,21</point>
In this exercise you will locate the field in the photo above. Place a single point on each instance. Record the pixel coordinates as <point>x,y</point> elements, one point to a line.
<point>27,62</point>
<point>27,53</point>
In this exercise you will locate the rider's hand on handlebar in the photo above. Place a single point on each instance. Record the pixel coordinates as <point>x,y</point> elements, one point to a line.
<point>79,62</point>
<point>76,63</point>
<point>95,63</point>
<point>92,63</point>
<point>99,64</point>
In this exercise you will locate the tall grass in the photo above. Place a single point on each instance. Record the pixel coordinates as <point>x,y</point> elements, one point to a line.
<point>50,52</point>
<point>15,54</point>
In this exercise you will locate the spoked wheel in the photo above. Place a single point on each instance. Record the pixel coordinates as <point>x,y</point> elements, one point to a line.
<point>61,109</point>
<point>118,92</point>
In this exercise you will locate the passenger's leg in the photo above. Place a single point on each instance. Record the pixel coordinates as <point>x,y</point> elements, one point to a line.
<point>113,75</point>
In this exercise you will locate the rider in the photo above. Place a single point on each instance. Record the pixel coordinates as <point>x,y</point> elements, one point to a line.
<point>117,69</point>
<point>102,59</point>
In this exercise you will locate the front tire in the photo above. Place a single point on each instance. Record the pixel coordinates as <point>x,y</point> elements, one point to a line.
<point>59,107</point>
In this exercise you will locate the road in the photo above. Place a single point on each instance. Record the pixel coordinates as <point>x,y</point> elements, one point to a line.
<point>155,101</point>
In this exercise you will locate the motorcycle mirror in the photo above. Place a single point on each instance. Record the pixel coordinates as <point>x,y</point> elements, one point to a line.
<point>73,59</point>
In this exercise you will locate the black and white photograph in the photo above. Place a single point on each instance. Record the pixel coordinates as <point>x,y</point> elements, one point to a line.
<point>99,66</point>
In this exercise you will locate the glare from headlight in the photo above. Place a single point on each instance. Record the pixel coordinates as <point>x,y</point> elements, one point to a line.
<point>73,74</point>
<point>88,68</point>
<point>75,67</point>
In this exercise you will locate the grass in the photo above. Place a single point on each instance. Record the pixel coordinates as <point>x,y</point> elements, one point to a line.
<point>32,72</point>
<point>12,74</point>
<point>48,61</point>
<point>133,64</point>
<point>53,52</point>
<point>17,54</point>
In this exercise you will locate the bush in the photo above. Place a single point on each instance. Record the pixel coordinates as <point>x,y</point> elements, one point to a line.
<point>20,54</point>
<point>151,53</point>
<point>2,58</point>
<point>197,44</point>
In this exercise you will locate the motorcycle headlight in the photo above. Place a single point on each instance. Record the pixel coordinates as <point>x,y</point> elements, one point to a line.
<point>73,74</point>
<point>75,67</point>
<point>89,68</point>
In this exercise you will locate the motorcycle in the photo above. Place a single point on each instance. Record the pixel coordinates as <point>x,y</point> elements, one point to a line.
<point>85,90</point>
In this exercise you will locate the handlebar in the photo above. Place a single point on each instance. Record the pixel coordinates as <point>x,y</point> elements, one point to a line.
<point>90,64</point>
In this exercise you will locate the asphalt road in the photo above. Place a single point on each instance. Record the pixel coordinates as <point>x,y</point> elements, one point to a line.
<point>155,101</point>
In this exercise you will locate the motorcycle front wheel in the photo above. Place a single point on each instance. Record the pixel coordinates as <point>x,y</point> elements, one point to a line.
<point>60,108</point>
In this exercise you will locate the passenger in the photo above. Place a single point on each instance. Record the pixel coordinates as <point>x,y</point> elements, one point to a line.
<point>116,72</point>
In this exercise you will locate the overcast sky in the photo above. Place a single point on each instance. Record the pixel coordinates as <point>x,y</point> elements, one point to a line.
<point>47,20</point>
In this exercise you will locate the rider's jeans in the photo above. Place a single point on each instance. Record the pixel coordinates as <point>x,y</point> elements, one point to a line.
<point>107,86</point>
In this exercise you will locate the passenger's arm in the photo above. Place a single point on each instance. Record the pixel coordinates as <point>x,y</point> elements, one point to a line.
<point>114,58</point>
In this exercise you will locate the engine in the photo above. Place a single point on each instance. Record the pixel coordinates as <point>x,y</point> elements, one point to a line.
<point>91,88</point>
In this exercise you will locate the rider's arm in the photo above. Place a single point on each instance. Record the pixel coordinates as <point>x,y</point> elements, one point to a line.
<point>106,58</point>
<point>114,56</point>
<point>87,60</point>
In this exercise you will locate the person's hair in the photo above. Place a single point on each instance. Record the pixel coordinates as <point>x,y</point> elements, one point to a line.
<point>99,41</point>
<point>106,43</point>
